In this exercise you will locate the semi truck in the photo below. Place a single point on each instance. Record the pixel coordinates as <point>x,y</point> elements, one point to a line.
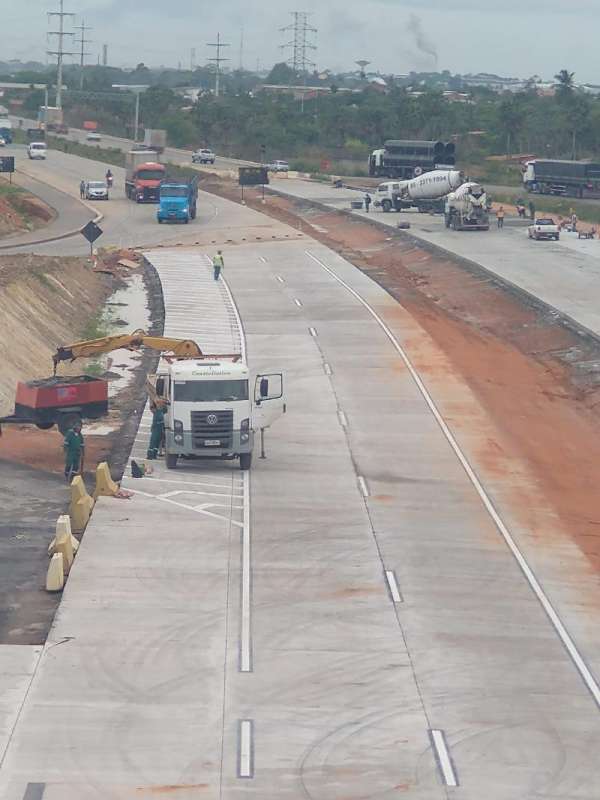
<point>155,139</point>
<point>406,158</point>
<point>426,193</point>
<point>51,118</point>
<point>576,178</point>
<point>177,201</point>
<point>466,208</point>
<point>143,176</point>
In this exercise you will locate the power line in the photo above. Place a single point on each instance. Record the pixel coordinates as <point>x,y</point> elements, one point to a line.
<point>300,44</point>
<point>60,52</point>
<point>218,60</point>
<point>82,41</point>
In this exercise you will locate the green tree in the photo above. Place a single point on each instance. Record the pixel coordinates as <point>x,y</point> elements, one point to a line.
<point>565,84</point>
<point>282,75</point>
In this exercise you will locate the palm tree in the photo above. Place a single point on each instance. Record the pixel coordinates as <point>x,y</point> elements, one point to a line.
<point>564,83</point>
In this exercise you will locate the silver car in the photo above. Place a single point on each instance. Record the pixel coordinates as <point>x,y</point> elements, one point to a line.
<point>96,190</point>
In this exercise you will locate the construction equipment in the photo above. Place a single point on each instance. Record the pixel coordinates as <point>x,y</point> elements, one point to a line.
<point>425,193</point>
<point>467,208</point>
<point>176,348</point>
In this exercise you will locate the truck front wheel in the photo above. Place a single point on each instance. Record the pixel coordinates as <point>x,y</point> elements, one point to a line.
<point>171,460</point>
<point>386,206</point>
<point>245,461</point>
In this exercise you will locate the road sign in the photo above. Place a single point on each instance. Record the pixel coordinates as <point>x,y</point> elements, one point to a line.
<point>91,232</point>
<point>7,164</point>
<point>253,176</point>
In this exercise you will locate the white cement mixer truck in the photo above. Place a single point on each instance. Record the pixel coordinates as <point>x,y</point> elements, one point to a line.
<point>467,208</point>
<point>425,193</point>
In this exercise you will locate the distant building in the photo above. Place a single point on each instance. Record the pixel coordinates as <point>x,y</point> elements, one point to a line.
<point>297,92</point>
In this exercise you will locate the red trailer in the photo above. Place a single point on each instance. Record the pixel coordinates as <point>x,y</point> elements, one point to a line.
<point>59,401</point>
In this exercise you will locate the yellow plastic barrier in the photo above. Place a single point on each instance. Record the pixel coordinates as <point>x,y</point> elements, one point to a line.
<point>63,525</point>
<point>105,486</point>
<point>55,579</point>
<point>81,505</point>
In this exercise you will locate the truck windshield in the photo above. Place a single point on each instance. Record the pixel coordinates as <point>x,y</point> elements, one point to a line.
<point>151,174</point>
<point>173,191</point>
<point>210,391</point>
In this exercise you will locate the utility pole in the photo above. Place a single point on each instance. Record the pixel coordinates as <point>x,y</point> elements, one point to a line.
<point>104,55</point>
<point>300,44</point>
<point>241,64</point>
<point>218,60</point>
<point>60,52</point>
<point>192,59</point>
<point>82,41</point>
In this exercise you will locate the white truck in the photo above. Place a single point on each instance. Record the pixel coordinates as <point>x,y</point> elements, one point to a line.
<point>213,412</point>
<point>426,192</point>
<point>155,139</point>
<point>467,208</point>
<point>544,228</point>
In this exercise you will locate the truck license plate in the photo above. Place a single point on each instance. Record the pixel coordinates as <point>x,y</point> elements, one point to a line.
<point>212,442</point>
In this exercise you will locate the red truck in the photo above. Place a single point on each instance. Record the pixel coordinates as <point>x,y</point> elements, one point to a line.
<point>59,401</point>
<point>143,176</point>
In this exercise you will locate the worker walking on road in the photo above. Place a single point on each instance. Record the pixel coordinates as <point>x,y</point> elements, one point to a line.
<point>218,264</point>
<point>367,202</point>
<point>531,210</point>
<point>157,429</point>
<point>574,222</point>
<point>500,217</point>
<point>82,190</point>
<point>74,449</point>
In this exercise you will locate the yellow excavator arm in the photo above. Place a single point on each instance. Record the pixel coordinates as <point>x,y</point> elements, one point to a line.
<point>179,348</point>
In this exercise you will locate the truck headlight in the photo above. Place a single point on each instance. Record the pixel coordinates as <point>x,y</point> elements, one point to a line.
<point>245,430</point>
<point>185,209</point>
<point>178,438</point>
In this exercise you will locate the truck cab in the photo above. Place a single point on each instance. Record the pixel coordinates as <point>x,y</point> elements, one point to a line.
<point>213,411</point>
<point>177,202</point>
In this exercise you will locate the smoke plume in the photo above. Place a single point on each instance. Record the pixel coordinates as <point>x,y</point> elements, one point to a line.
<point>423,43</point>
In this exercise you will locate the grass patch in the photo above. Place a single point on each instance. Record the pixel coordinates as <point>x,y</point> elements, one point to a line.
<point>106,155</point>
<point>45,281</point>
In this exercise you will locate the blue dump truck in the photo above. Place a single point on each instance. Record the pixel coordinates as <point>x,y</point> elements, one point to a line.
<point>177,201</point>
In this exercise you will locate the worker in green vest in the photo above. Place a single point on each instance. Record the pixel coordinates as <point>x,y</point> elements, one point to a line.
<point>74,449</point>
<point>157,428</point>
<point>218,264</point>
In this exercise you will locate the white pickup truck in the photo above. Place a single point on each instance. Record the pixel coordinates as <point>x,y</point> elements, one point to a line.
<point>544,228</point>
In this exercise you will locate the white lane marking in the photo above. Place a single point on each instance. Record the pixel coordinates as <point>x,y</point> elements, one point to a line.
<point>535,585</point>
<point>153,478</point>
<point>175,492</point>
<point>312,332</point>
<point>246,749</point>
<point>342,418</point>
<point>298,303</point>
<point>187,507</point>
<point>327,368</point>
<point>443,757</point>
<point>279,278</point>
<point>363,486</point>
<point>390,577</point>
<point>245,642</point>
<point>263,259</point>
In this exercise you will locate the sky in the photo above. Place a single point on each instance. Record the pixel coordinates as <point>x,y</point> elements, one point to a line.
<point>512,38</point>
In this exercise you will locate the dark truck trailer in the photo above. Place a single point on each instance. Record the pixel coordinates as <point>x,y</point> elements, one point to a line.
<point>59,401</point>
<point>408,158</point>
<point>576,178</point>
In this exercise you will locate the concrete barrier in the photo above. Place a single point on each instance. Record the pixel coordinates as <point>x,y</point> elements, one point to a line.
<point>105,486</point>
<point>81,505</point>
<point>55,578</point>
<point>64,547</point>
<point>63,525</point>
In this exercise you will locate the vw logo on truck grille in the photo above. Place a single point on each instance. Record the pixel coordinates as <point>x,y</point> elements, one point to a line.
<point>212,419</point>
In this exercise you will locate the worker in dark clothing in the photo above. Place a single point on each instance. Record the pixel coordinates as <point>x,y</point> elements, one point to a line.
<point>157,429</point>
<point>82,189</point>
<point>367,202</point>
<point>74,449</point>
<point>531,210</point>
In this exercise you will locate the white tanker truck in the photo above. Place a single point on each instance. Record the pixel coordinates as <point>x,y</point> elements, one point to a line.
<point>426,192</point>
<point>467,208</point>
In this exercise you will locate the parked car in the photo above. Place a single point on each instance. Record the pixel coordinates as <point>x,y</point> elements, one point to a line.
<point>203,156</point>
<point>37,150</point>
<point>278,166</point>
<point>93,136</point>
<point>96,190</point>
<point>544,228</point>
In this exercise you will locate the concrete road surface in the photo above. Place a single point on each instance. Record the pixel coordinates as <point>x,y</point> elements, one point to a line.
<point>357,618</point>
<point>564,274</point>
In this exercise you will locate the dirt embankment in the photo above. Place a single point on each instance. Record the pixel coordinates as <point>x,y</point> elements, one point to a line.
<point>21,211</point>
<point>536,378</point>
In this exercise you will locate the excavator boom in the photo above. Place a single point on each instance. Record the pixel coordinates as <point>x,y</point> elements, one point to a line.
<point>179,348</point>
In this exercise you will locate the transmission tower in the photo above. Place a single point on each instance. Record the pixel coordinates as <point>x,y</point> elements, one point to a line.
<point>300,44</point>
<point>82,41</point>
<point>60,52</point>
<point>218,60</point>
